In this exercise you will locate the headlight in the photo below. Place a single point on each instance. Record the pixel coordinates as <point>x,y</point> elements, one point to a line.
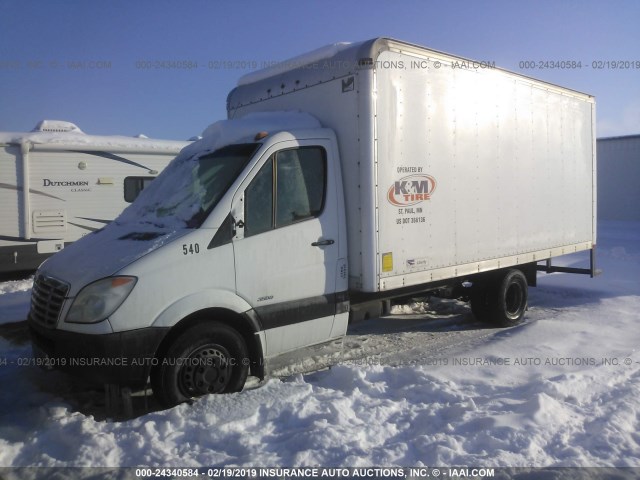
<point>98,300</point>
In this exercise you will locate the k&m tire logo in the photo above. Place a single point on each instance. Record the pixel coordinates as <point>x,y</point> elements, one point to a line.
<point>411,190</point>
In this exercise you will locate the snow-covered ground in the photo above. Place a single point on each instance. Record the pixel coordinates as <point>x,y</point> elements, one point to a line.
<point>425,386</point>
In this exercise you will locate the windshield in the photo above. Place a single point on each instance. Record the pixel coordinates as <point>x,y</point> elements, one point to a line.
<point>214,175</point>
<point>187,191</point>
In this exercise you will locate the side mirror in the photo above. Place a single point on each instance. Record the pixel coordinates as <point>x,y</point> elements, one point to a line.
<point>237,218</point>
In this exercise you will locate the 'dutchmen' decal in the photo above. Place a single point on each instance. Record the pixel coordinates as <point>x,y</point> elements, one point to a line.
<point>411,190</point>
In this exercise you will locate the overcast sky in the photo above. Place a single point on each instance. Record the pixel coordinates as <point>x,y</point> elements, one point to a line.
<point>44,43</point>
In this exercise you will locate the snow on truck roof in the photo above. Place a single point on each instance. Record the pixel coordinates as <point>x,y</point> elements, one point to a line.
<point>226,132</point>
<point>314,56</point>
<point>60,134</point>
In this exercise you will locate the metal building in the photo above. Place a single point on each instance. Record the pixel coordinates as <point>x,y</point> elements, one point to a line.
<point>619,178</point>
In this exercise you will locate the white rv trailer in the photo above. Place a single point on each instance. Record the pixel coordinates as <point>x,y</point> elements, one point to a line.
<point>58,184</point>
<point>365,171</point>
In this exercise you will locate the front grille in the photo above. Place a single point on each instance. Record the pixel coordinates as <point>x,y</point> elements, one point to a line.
<point>47,297</point>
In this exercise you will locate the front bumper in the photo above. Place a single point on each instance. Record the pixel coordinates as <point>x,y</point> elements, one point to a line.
<point>123,358</point>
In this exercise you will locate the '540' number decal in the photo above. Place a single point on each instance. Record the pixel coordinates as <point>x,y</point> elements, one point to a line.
<point>190,249</point>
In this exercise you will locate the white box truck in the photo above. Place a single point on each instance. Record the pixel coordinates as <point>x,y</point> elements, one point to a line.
<point>58,184</point>
<point>357,172</point>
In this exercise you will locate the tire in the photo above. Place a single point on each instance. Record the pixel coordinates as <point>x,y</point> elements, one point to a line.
<point>502,301</point>
<point>207,358</point>
<point>481,303</point>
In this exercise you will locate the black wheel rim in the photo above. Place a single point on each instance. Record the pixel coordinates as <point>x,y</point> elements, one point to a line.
<point>206,370</point>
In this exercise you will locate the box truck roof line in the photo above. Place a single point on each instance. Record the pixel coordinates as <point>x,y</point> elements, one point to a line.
<point>344,59</point>
<point>310,58</point>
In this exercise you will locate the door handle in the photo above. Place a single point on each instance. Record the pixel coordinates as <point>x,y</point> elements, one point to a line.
<point>322,243</point>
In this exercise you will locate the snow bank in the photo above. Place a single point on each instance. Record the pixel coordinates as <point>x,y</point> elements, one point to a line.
<point>15,297</point>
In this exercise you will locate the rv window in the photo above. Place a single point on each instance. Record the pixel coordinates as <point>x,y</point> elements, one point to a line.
<point>133,186</point>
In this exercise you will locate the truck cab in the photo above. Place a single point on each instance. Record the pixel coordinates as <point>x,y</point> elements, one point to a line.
<point>234,256</point>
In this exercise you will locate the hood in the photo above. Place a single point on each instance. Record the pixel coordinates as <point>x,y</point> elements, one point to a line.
<point>104,253</point>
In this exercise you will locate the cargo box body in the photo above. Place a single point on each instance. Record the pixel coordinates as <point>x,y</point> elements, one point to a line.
<point>450,167</point>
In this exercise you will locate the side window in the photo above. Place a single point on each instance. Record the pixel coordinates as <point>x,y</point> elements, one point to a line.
<point>298,177</point>
<point>133,186</point>
<point>300,185</point>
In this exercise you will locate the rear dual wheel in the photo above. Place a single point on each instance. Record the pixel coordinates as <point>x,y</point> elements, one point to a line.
<point>207,358</point>
<point>501,300</point>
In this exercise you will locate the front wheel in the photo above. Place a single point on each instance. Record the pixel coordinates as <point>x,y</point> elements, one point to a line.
<point>207,358</point>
